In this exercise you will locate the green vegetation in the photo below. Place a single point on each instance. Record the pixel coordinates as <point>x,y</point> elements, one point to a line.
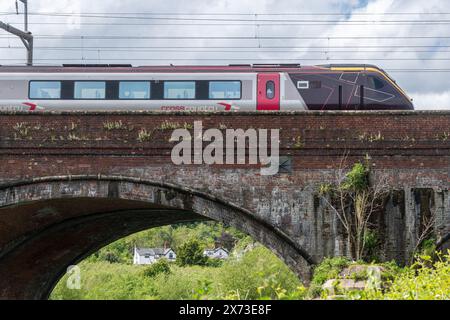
<point>355,201</point>
<point>161,266</point>
<point>251,272</point>
<point>190,254</point>
<point>109,273</point>
<point>425,279</point>
<point>207,234</point>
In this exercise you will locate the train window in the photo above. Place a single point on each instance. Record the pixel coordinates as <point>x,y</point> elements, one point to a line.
<point>134,90</point>
<point>45,90</point>
<point>179,90</point>
<point>270,89</point>
<point>90,90</point>
<point>374,83</point>
<point>224,90</point>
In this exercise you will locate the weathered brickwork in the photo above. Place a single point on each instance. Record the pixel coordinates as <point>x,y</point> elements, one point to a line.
<point>71,183</point>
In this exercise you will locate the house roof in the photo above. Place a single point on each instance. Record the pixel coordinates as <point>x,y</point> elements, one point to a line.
<point>152,251</point>
<point>216,249</point>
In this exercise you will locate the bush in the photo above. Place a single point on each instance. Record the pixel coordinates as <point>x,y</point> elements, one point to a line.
<point>215,263</point>
<point>371,243</point>
<point>329,268</point>
<point>424,280</point>
<point>110,257</point>
<point>258,274</point>
<point>357,179</point>
<point>161,266</point>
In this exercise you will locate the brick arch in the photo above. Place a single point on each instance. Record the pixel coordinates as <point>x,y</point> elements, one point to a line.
<point>54,222</point>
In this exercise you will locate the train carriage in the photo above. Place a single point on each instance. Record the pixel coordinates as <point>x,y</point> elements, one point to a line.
<point>237,88</point>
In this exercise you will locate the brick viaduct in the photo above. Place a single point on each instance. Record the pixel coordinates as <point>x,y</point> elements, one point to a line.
<point>71,183</point>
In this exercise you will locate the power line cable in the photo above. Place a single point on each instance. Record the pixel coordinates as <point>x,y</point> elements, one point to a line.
<point>243,13</point>
<point>117,37</point>
<point>104,16</point>
<point>235,59</point>
<point>207,50</point>
<point>288,24</point>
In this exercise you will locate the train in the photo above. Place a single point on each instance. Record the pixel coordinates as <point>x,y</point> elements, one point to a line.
<point>239,88</point>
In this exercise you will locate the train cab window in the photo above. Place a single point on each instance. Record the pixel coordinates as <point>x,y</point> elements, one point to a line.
<point>90,90</point>
<point>179,90</point>
<point>270,89</point>
<point>134,90</point>
<point>224,90</point>
<point>374,83</point>
<point>45,90</point>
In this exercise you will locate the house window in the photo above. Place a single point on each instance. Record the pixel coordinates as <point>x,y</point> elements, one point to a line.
<point>134,90</point>
<point>179,90</point>
<point>45,90</point>
<point>147,257</point>
<point>170,255</point>
<point>224,90</point>
<point>90,90</point>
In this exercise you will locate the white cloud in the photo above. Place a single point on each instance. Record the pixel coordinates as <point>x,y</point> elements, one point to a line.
<point>431,101</point>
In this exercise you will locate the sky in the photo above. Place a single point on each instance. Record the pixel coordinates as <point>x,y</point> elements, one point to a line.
<point>407,38</point>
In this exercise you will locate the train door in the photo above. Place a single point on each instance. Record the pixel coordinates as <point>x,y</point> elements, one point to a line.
<point>268,91</point>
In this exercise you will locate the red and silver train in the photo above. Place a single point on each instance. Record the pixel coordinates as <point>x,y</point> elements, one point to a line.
<point>199,88</point>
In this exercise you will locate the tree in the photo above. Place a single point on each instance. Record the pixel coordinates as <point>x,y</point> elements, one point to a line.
<point>354,198</point>
<point>110,257</point>
<point>225,240</point>
<point>191,253</point>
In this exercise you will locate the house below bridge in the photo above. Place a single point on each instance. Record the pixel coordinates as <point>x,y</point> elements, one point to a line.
<point>217,253</point>
<point>152,255</point>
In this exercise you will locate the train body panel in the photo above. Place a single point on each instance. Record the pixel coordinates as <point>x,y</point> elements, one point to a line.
<point>233,88</point>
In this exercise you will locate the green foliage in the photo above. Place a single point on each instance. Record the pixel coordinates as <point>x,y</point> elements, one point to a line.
<point>424,280</point>
<point>371,242</point>
<point>251,272</point>
<point>265,277</point>
<point>215,263</point>
<point>326,189</point>
<point>357,179</point>
<point>203,290</point>
<point>160,266</point>
<point>329,268</point>
<point>428,247</point>
<point>390,270</point>
<point>191,253</point>
<point>359,276</point>
<point>105,281</point>
<point>110,257</point>
<point>207,233</point>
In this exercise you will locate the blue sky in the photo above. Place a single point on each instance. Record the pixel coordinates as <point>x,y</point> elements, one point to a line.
<point>319,37</point>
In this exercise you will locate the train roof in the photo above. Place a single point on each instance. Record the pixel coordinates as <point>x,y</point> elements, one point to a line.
<point>118,68</point>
